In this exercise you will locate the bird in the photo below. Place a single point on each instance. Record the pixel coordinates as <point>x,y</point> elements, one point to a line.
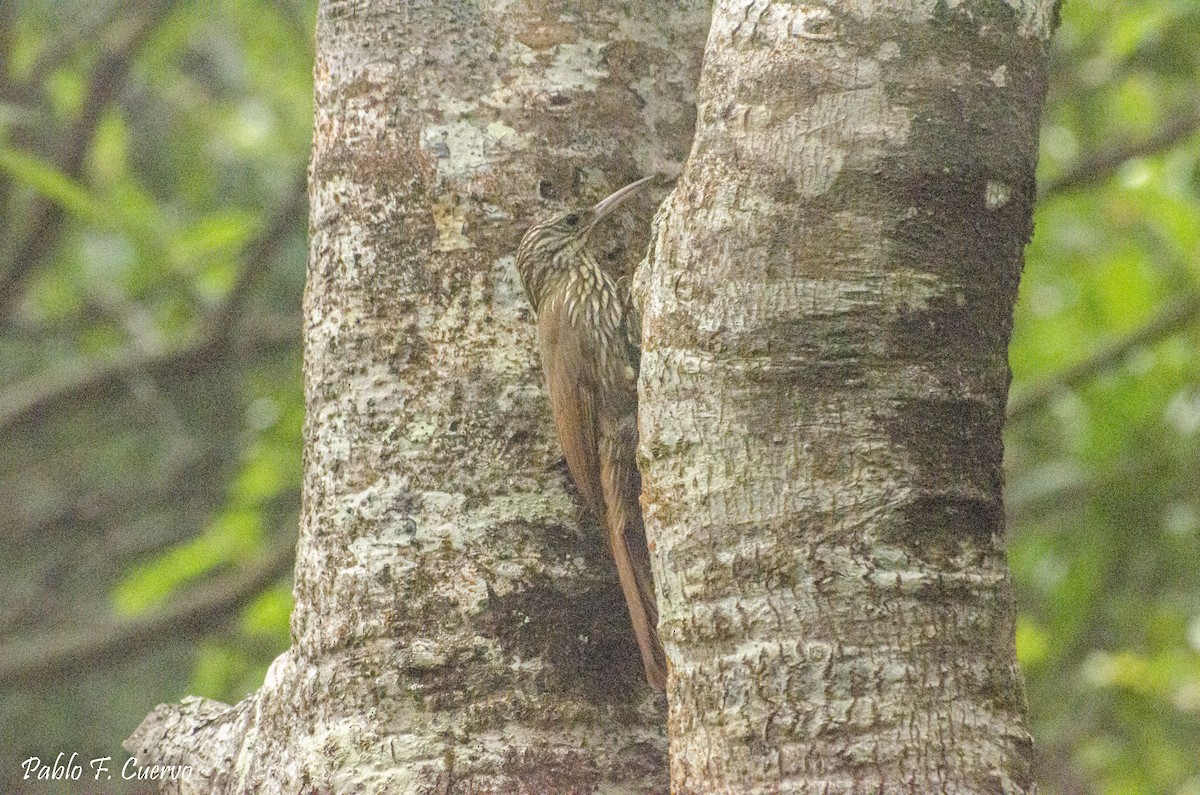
<point>590,343</point>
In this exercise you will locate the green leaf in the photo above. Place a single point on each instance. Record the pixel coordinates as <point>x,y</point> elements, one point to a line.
<point>270,613</point>
<point>233,535</point>
<point>65,89</point>
<point>51,183</point>
<point>110,150</point>
<point>223,230</point>
<point>1033,644</point>
<point>218,667</point>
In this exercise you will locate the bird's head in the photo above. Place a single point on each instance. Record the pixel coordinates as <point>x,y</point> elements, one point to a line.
<point>550,245</point>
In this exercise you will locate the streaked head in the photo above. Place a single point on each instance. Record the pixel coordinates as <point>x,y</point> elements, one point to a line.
<point>549,244</point>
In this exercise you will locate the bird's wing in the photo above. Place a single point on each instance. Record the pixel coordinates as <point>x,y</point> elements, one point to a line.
<point>572,401</point>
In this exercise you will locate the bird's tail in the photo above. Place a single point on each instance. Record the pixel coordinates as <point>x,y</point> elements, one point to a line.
<point>622,486</point>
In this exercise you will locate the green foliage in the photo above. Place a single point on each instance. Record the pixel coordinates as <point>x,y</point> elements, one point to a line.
<point>231,535</point>
<point>144,151</point>
<point>51,183</point>
<point>267,617</point>
<point>1102,479</point>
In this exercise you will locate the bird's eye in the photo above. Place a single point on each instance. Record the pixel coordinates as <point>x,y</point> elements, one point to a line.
<point>571,220</point>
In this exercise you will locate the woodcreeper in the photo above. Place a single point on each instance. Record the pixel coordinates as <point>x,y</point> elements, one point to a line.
<point>590,341</point>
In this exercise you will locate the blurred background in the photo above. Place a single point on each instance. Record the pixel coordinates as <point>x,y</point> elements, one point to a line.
<point>152,256</point>
<point>152,259</point>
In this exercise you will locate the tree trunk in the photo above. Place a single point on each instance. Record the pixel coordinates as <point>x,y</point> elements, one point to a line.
<point>458,627</point>
<point>827,305</point>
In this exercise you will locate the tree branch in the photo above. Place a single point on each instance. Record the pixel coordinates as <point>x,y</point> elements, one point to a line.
<point>29,400</point>
<point>8,23</point>
<point>44,226</point>
<point>259,254</point>
<point>81,514</point>
<point>103,29</point>
<point>1099,165</point>
<point>1035,504</point>
<point>34,597</point>
<point>208,606</point>
<point>1179,315</point>
<point>201,733</point>
<point>32,400</point>
<point>8,96</point>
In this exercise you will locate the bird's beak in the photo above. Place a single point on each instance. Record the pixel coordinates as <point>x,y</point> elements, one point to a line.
<point>605,206</point>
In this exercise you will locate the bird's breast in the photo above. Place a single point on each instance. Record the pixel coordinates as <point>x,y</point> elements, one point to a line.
<point>583,317</point>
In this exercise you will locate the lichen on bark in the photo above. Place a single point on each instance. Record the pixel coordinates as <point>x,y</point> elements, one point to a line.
<point>827,304</point>
<point>457,623</point>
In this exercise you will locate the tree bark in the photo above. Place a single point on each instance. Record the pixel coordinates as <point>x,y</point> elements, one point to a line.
<point>457,627</point>
<point>827,305</point>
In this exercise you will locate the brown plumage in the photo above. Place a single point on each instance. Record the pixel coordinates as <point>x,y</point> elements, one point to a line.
<point>590,340</point>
